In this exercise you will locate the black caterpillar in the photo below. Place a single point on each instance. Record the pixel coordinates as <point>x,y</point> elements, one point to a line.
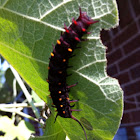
<point>57,70</point>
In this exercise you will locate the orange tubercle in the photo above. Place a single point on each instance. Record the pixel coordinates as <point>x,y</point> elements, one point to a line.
<point>69,49</point>
<point>60,72</point>
<point>58,42</point>
<point>52,54</point>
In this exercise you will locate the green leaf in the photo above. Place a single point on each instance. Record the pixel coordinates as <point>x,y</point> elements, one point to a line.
<point>36,97</point>
<point>27,31</point>
<point>55,132</point>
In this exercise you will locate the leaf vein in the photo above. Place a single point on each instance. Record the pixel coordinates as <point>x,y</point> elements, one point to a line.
<point>34,19</point>
<point>54,8</point>
<point>24,54</point>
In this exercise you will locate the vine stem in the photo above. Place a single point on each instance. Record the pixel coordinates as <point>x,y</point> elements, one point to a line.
<point>25,91</point>
<point>19,105</point>
<point>16,111</point>
<point>14,96</point>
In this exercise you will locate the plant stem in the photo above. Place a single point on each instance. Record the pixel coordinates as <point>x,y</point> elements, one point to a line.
<point>25,91</point>
<point>19,105</point>
<point>19,112</point>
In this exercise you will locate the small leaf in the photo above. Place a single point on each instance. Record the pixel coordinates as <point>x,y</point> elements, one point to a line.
<point>53,133</point>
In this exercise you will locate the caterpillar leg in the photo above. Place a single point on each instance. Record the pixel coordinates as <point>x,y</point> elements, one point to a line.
<point>72,85</point>
<point>75,110</point>
<point>72,101</point>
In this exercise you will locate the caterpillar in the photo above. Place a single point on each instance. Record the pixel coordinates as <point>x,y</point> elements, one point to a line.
<point>57,69</point>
